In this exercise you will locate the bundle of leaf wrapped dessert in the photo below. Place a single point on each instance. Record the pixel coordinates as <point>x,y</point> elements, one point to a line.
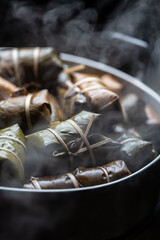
<point>76,142</point>
<point>81,91</point>
<point>25,66</point>
<point>12,156</point>
<point>81,177</point>
<point>81,129</point>
<point>30,111</point>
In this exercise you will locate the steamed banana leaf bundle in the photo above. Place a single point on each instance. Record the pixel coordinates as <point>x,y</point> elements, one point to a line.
<point>136,152</point>
<point>12,155</point>
<point>6,89</point>
<point>81,91</point>
<point>67,145</point>
<point>82,177</point>
<point>32,112</point>
<point>31,65</point>
<point>136,149</point>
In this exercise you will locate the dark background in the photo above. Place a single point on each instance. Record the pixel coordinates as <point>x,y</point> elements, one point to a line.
<point>122,33</point>
<point>104,30</point>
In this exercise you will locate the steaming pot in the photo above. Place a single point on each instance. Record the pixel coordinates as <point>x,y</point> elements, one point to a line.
<point>100,212</point>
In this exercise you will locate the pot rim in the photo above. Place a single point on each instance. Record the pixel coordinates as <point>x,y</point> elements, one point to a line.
<point>117,73</point>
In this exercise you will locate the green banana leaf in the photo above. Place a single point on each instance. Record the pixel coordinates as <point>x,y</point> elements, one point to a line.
<point>12,154</point>
<point>42,145</point>
<point>137,153</point>
<point>47,156</point>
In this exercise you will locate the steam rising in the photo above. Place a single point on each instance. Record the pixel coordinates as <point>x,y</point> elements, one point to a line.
<point>101,30</point>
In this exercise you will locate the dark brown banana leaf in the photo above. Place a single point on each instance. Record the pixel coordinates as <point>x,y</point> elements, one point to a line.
<point>42,110</point>
<point>75,103</point>
<point>27,65</point>
<point>82,177</point>
<point>90,96</point>
<point>6,89</point>
<point>12,155</point>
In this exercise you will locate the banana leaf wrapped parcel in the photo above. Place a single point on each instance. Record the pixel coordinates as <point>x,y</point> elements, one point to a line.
<point>139,145</point>
<point>67,145</point>
<point>136,152</point>
<point>12,155</point>
<point>46,148</point>
<point>34,110</point>
<point>27,65</point>
<point>81,177</point>
<point>81,91</point>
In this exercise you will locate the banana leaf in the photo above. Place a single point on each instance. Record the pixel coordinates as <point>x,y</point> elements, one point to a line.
<point>12,155</point>
<point>92,95</point>
<point>46,155</point>
<point>82,177</point>
<point>136,153</point>
<point>136,149</point>
<point>71,105</point>
<point>6,89</point>
<point>112,84</point>
<point>27,65</point>
<point>103,153</point>
<point>126,133</point>
<point>42,109</point>
<point>140,145</point>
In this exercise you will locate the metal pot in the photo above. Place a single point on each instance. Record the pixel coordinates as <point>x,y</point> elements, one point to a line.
<point>101,212</point>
